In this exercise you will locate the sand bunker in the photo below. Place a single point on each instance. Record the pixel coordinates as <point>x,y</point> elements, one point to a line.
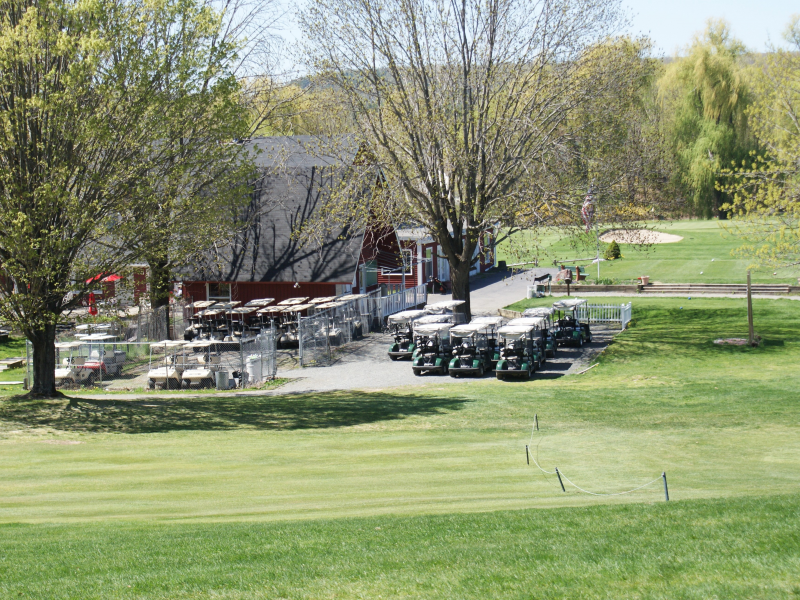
<point>639,236</point>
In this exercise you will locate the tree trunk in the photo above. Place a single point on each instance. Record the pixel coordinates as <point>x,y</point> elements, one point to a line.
<point>459,280</point>
<point>44,363</point>
<point>160,281</point>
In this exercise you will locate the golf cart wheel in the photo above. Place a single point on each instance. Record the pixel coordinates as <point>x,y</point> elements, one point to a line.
<point>580,342</point>
<point>151,384</point>
<point>500,376</point>
<point>206,383</point>
<point>453,374</point>
<point>173,384</point>
<point>589,339</point>
<point>186,384</point>
<point>394,357</point>
<point>417,372</point>
<point>91,379</point>
<point>481,371</point>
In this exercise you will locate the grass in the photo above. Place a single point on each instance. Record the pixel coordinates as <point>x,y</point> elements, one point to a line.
<point>744,548</point>
<point>265,497</point>
<point>12,348</point>
<point>687,261</point>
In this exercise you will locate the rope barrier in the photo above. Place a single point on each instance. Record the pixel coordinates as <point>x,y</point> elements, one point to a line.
<point>577,487</point>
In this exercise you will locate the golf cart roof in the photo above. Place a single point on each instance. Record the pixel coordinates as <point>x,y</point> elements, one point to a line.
<point>514,330</point>
<point>292,301</point>
<point>470,328</point>
<point>260,302</point>
<point>270,310</point>
<point>323,300</point>
<point>213,312</point>
<point>539,311</point>
<point>433,328</point>
<point>568,303</point>
<point>202,304</point>
<point>201,344</point>
<point>98,337</point>
<point>170,343</point>
<point>433,319</point>
<point>442,306</point>
<point>349,297</point>
<point>68,345</point>
<point>490,320</point>
<point>297,308</point>
<point>243,310</point>
<point>538,322</point>
<point>87,326</point>
<point>406,316</point>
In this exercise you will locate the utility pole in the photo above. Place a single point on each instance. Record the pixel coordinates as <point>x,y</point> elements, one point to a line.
<point>752,338</point>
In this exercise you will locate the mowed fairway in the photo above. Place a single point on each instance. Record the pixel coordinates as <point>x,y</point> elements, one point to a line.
<point>426,492</point>
<point>703,256</point>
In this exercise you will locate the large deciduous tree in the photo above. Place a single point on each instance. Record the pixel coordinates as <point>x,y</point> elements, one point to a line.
<point>463,107</point>
<point>90,94</point>
<point>765,188</point>
<point>704,98</point>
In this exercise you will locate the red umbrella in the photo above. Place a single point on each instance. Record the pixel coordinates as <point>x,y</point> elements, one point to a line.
<point>112,278</point>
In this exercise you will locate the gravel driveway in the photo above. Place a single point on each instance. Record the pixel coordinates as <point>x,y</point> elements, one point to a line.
<point>366,365</point>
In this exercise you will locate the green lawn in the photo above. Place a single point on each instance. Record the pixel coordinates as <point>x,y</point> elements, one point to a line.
<point>270,497</point>
<point>687,261</point>
<point>13,348</point>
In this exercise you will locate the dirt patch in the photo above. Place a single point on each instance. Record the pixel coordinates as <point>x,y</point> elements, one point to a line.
<point>62,442</point>
<point>731,342</point>
<point>639,236</point>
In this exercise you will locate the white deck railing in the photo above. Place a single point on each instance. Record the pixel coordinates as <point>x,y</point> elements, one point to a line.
<point>404,300</point>
<point>606,313</point>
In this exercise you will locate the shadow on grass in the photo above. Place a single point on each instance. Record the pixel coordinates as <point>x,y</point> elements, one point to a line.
<point>311,411</point>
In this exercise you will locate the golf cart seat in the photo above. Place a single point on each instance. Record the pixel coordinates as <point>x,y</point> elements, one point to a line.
<point>208,360</point>
<point>79,361</point>
<point>96,354</point>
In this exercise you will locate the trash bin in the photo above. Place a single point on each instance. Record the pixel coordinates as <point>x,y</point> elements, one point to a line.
<point>222,380</point>
<point>253,368</point>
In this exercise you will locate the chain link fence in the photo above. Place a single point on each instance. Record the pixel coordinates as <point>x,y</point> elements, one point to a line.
<point>103,360</point>
<point>338,324</point>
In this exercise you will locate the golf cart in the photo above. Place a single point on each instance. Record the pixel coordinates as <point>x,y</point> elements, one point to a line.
<point>401,326</point>
<point>518,352</point>
<point>446,308</point>
<point>207,355</point>
<point>88,361</point>
<point>260,302</point>
<point>432,351</point>
<point>546,313</point>
<point>570,330</point>
<point>291,320</point>
<point>166,372</point>
<point>541,333</point>
<point>471,352</point>
<point>494,322</point>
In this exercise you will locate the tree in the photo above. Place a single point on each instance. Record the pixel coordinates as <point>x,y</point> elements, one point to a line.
<point>84,111</point>
<point>463,108</point>
<point>765,188</point>
<point>705,97</point>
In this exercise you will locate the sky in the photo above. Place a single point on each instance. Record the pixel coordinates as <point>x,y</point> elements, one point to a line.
<point>672,23</point>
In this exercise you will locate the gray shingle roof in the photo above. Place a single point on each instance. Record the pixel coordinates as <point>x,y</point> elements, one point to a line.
<point>295,178</point>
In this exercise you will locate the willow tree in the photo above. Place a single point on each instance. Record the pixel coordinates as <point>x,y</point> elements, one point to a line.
<point>84,118</point>
<point>462,107</point>
<point>705,98</point>
<point>765,188</point>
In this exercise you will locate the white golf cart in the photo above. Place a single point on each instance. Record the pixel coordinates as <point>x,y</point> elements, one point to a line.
<point>166,371</point>
<point>495,322</point>
<point>546,313</point>
<point>201,374</point>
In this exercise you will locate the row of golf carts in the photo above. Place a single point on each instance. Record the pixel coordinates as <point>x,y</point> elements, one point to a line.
<point>436,342</point>
<point>231,322</point>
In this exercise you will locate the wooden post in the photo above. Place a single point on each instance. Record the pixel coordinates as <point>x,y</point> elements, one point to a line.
<point>561,482</point>
<point>527,455</point>
<point>750,311</point>
<point>536,421</point>
<point>666,491</point>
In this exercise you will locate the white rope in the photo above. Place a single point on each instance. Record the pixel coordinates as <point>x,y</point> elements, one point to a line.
<point>530,453</point>
<point>617,494</point>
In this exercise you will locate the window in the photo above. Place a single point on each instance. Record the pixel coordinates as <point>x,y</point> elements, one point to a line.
<point>408,257</point>
<point>219,291</point>
<point>371,273</point>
